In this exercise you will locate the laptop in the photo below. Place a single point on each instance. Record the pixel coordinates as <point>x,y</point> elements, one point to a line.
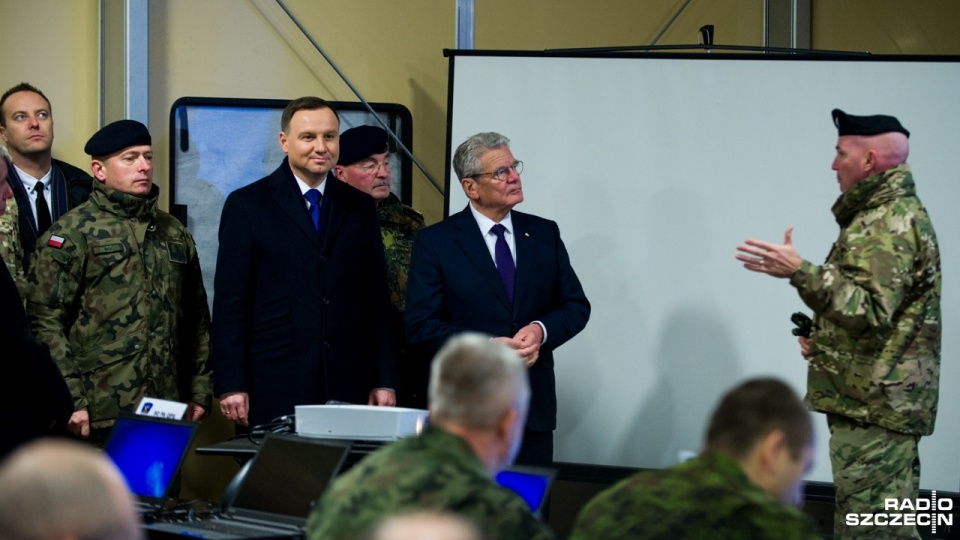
<point>149,452</point>
<point>273,493</point>
<point>532,484</point>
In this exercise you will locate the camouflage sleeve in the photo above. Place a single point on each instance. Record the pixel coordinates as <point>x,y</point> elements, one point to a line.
<point>53,289</point>
<point>776,524</point>
<point>506,519</point>
<point>10,248</point>
<point>196,326</point>
<point>866,276</point>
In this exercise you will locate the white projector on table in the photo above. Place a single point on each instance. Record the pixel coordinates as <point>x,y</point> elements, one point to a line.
<point>359,422</point>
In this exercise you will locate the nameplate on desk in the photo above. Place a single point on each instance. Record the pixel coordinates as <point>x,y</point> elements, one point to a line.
<point>161,408</point>
<point>359,422</point>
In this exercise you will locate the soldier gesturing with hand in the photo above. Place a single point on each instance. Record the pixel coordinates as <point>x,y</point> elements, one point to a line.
<point>874,347</point>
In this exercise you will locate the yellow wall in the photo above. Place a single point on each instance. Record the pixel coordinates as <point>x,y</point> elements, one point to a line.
<point>53,45</point>
<point>886,26</point>
<point>549,24</point>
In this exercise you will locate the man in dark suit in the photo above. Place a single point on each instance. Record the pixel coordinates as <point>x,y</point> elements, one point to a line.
<point>44,188</point>
<point>301,310</point>
<point>504,273</point>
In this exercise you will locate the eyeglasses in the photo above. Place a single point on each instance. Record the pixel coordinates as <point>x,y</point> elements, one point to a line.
<point>502,173</point>
<point>372,166</point>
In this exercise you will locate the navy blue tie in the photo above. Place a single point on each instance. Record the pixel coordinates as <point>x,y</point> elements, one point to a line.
<point>504,259</point>
<point>314,196</point>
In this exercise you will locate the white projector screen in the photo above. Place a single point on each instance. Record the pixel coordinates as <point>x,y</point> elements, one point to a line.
<point>656,168</point>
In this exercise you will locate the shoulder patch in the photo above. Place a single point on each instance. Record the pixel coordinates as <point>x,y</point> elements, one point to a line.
<point>56,241</point>
<point>177,252</point>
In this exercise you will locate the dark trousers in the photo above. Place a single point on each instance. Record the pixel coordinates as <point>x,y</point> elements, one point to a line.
<point>536,449</point>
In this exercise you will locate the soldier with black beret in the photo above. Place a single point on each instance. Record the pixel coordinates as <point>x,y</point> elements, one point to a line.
<point>874,351</point>
<point>365,164</point>
<point>117,294</point>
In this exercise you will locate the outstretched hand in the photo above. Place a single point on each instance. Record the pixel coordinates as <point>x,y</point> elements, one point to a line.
<point>778,260</point>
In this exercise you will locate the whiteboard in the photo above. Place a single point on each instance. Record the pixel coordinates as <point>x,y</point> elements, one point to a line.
<point>655,169</point>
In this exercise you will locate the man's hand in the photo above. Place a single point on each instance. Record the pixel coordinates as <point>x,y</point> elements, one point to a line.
<point>529,352</point>
<point>804,346</point>
<point>382,397</point>
<point>195,412</point>
<point>776,260</point>
<point>79,423</point>
<point>530,338</point>
<point>236,407</point>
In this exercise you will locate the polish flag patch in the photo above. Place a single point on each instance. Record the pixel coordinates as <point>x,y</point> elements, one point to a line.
<point>56,241</point>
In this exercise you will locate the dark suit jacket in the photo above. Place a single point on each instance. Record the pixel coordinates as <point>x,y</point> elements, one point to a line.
<point>300,320</point>
<point>35,399</point>
<point>454,287</point>
<point>71,186</point>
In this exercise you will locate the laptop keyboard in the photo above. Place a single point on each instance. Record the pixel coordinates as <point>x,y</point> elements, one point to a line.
<point>231,527</point>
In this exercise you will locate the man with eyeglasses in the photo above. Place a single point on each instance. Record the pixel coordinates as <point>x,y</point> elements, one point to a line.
<point>504,273</point>
<point>365,165</point>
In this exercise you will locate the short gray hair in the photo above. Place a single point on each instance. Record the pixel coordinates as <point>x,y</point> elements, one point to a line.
<point>55,488</point>
<point>466,160</point>
<point>475,380</point>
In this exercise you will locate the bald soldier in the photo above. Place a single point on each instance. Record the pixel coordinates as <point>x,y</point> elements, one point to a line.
<point>874,350</point>
<point>117,295</point>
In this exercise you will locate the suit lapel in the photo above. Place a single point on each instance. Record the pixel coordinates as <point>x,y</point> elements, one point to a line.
<point>332,211</point>
<point>287,195</point>
<point>526,255</point>
<point>470,240</point>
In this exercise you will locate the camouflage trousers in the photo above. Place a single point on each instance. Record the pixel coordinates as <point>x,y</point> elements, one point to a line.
<point>871,464</point>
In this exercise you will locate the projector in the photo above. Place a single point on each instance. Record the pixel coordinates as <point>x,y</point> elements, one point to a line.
<point>358,422</point>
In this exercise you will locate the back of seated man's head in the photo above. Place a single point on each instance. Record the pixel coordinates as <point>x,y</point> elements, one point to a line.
<point>425,525</point>
<point>764,426</point>
<point>63,490</point>
<point>479,390</point>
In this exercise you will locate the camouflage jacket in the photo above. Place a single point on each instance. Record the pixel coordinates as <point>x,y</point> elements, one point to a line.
<point>115,291</point>
<point>875,346</point>
<point>398,225</point>
<point>436,471</point>
<point>707,497</point>
<point>10,247</point>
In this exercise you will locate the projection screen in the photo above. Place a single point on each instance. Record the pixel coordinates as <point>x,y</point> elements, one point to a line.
<point>656,168</point>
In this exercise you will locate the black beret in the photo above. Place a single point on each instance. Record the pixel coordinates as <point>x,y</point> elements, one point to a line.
<point>117,136</point>
<point>361,142</point>
<point>848,124</point>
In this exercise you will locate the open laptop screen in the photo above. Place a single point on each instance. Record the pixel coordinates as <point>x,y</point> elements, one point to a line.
<point>149,451</point>
<point>287,476</point>
<point>531,483</point>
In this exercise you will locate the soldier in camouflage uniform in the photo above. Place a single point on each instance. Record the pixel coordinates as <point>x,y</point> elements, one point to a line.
<point>117,293</point>
<point>365,164</point>
<point>479,395</point>
<point>745,484</point>
<point>874,352</point>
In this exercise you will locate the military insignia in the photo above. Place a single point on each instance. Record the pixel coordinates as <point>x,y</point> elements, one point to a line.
<point>107,249</point>
<point>56,241</point>
<point>177,252</point>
